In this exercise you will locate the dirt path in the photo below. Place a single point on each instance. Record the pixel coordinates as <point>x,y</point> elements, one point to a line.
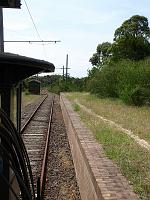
<point>141,142</point>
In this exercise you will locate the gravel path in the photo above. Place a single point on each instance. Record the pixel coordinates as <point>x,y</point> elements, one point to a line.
<point>60,181</point>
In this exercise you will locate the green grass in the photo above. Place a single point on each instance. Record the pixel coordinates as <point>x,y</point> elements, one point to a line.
<point>133,160</point>
<point>137,119</point>
<point>76,107</point>
<point>29,98</point>
<point>26,99</point>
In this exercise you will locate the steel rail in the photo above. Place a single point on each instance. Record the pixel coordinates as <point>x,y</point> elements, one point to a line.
<point>32,115</point>
<point>43,172</point>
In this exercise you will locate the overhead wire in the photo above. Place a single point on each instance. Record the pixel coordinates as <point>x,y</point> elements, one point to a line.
<point>44,50</point>
<point>32,20</point>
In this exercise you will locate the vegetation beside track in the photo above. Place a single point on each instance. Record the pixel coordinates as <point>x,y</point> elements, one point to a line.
<point>28,98</point>
<point>133,160</point>
<point>133,118</point>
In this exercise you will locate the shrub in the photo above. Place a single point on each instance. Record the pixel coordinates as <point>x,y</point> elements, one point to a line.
<point>126,79</point>
<point>125,95</point>
<point>140,96</point>
<point>76,107</point>
<point>27,92</point>
<point>54,89</point>
<point>104,83</point>
<point>133,82</point>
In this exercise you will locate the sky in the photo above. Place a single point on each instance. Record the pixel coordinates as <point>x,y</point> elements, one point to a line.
<point>80,25</point>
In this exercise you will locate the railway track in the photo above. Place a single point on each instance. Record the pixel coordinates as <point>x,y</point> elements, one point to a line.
<point>35,133</point>
<point>30,110</point>
<point>61,181</point>
<point>52,166</point>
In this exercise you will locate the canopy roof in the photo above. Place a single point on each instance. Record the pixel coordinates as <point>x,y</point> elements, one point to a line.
<point>14,68</point>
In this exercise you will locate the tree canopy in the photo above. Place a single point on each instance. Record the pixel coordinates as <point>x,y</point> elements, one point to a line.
<point>131,39</point>
<point>119,69</point>
<point>136,26</point>
<point>102,53</point>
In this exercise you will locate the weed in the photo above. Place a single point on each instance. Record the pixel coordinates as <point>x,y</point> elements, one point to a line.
<point>76,107</point>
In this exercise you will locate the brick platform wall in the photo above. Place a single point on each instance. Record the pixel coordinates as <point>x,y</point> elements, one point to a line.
<point>98,178</point>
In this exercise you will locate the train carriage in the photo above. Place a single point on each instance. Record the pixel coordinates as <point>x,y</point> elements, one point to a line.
<point>13,158</point>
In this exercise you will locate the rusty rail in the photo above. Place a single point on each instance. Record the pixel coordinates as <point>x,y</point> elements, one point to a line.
<point>43,173</point>
<point>27,122</point>
<point>41,179</point>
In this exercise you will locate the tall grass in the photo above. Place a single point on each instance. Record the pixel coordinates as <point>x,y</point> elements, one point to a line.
<point>133,160</point>
<point>136,119</point>
<point>28,98</point>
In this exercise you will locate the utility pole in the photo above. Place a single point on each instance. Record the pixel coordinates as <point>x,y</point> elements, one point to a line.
<point>66,67</point>
<point>63,72</point>
<point>1,31</point>
<point>63,68</point>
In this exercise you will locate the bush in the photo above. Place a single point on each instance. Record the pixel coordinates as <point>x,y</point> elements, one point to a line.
<point>140,96</point>
<point>27,92</point>
<point>104,84</point>
<point>125,95</point>
<point>133,82</point>
<point>76,107</point>
<point>126,79</point>
<point>54,89</point>
<point>137,96</point>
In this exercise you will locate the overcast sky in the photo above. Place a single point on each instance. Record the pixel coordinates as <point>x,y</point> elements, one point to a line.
<point>80,25</point>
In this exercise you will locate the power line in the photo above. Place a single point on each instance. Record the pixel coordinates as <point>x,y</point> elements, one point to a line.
<point>44,50</point>
<point>32,19</point>
<point>30,41</point>
<point>38,34</point>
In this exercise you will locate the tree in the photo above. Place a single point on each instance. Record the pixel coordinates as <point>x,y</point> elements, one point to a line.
<point>95,59</point>
<point>104,49</point>
<point>101,55</point>
<point>131,39</point>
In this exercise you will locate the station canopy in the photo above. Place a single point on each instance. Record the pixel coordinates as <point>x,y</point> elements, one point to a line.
<point>14,68</point>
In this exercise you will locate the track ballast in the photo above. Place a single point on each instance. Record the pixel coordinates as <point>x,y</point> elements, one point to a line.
<point>60,175</point>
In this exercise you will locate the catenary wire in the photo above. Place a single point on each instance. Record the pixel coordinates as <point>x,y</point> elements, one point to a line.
<point>44,50</point>
<point>32,19</point>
